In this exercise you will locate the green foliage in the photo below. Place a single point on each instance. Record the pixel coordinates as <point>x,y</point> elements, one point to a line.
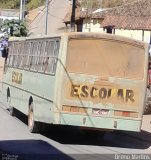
<point>9,4</point>
<point>94,4</point>
<point>15,28</point>
<point>90,4</point>
<point>34,4</point>
<point>15,4</point>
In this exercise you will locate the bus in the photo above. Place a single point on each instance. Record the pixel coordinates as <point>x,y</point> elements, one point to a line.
<point>88,80</point>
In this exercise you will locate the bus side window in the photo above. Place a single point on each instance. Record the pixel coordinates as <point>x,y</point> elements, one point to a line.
<point>56,52</point>
<point>10,55</point>
<point>34,59</point>
<point>50,54</point>
<point>28,46</point>
<point>41,57</point>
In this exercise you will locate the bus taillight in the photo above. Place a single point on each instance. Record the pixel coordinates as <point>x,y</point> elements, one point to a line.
<point>126,114</point>
<point>74,109</point>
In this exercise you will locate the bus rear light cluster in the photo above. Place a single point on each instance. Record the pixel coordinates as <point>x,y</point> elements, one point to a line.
<point>74,109</point>
<point>126,114</point>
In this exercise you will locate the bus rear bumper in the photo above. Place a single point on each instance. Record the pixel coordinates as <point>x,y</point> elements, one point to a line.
<point>107,123</point>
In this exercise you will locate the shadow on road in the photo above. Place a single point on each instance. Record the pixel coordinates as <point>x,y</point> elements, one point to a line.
<point>74,135</point>
<point>30,150</point>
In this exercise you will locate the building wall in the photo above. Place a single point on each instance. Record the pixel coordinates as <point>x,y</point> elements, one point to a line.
<point>9,14</point>
<point>94,25</point>
<point>9,18</point>
<point>136,34</point>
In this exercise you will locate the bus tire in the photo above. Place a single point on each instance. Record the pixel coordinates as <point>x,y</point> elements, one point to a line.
<point>12,111</point>
<point>34,127</point>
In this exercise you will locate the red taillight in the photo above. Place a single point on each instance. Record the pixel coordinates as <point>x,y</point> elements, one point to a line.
<point>74,109</point>
<point>126,114</point>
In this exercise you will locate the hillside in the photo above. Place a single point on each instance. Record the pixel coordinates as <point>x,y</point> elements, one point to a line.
<point>15,4</point>
<point>31,4</point>
<point>103,3</point>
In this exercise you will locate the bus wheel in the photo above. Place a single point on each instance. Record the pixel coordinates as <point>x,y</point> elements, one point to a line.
<point>12,111</point>
<point>32,124</point>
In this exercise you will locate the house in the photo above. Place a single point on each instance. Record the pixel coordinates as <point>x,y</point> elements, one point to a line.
<point>130,20</point>
<point>85,20</point>
<point>9,14</point>
<point>80,15</point>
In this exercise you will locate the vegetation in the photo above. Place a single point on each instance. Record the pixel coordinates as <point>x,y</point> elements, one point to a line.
<point>90,4</point>
<point>34,4</point>
<point>94,4</point>
<point>15,28</point>
<point>9,4</point>
<point>15,4</point>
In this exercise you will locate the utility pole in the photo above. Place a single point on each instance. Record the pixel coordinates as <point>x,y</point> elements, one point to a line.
<point>47,10</point>
<point>21,10</point>
<point>24,8</point>
<point>72,21</point>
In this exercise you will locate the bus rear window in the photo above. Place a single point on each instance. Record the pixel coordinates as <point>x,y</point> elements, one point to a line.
<point>105,58</point>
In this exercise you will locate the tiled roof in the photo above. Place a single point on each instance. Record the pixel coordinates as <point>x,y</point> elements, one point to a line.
<point>128,22</point>
<point>79,14</point>
<point>136,15</point>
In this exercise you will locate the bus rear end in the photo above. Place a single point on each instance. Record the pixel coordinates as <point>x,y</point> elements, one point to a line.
<point>104,82</point>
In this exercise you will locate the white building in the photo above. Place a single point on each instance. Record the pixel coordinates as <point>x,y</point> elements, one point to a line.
<point>9,14</point>
<point>130,20</point>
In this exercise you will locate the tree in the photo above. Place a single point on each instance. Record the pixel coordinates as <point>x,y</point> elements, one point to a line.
<point>15,28</point>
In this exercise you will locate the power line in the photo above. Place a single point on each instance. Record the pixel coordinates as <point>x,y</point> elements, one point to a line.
<point>55,16</point>
<point>41,11</point>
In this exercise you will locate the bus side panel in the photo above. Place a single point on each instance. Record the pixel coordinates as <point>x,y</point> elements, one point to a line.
<point>41,91</point>
<point>101,122</point>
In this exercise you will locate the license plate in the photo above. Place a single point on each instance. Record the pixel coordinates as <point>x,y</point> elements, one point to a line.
<point>100,111</point>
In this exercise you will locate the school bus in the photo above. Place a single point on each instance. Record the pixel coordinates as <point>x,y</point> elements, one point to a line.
<point>89,80</point>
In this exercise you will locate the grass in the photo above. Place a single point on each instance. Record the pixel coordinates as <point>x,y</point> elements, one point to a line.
<point>15,4</point>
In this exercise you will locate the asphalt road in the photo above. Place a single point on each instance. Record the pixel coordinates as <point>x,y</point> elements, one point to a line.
<point>57,11</point>
<point>64,142</point>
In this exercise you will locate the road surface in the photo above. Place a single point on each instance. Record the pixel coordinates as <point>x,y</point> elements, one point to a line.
<point>57,11</point>
<point>64,142</point>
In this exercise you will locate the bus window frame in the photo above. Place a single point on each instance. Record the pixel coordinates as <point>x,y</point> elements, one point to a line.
<point>21,55</point>
<point>27,55</point>
<point>15,56</point>
<point>52,58</point>
<point>34,59</point>
<point>41,57</point>
<point>10,55</point>
<point>26,58</point>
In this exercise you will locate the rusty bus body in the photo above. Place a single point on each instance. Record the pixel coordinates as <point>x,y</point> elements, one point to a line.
<point>99,83</point>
